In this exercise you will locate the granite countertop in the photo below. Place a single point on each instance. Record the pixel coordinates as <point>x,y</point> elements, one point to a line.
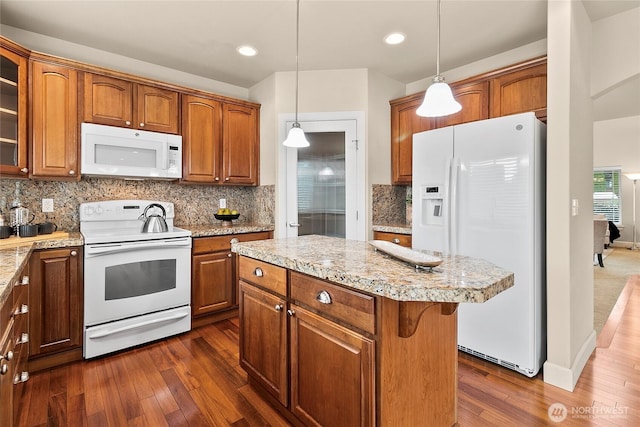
<point>393,228</point>
<point>14,258</point>
<point>355,264</point>
<point>219,230</point>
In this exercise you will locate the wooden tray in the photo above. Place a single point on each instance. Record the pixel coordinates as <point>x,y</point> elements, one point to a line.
<point>16,241</point>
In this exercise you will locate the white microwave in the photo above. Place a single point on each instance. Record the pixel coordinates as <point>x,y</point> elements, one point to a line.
<point>109,151</point>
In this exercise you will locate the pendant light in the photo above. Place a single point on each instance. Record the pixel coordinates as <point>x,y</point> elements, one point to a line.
<point>438,99</point>
<point>296,138</point>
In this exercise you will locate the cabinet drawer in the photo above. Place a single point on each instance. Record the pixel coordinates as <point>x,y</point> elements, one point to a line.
<point>400,239</point>
<point>260,273</point>
<point>223,243</point>
<point>343,304</point>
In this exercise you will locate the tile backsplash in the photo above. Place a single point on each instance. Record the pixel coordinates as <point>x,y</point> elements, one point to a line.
<point>389,204</point>
<point>194,204</point>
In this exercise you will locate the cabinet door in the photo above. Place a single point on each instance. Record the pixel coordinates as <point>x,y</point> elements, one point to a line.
<point>213,282</point>
<point>323,354</point>
<point>55,121</point>
<point>404,123</point>
<point>6,383</point>
<point>474,98</point>
<point>13,114</point>
<point>156,109</point>
<point>56,300</point>
<point>520,91</point>
<point>240,145</point>
<point>201,139</point>
<point>263,339</point>
<point>108,101</point>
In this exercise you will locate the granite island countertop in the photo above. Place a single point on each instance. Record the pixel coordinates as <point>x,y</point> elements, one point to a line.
<point>357,265</point>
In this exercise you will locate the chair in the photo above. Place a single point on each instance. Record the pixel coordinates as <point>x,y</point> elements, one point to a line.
<point>600,229</point>
<point>607,239</point>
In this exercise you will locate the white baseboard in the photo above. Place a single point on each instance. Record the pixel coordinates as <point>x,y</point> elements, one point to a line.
<point>567,377</point>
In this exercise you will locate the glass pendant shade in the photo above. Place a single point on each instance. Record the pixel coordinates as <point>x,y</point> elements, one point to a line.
<point>438,100</point>
<point>296,138</point>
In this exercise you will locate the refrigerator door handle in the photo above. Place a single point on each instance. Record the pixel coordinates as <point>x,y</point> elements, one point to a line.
<point>452,241</point>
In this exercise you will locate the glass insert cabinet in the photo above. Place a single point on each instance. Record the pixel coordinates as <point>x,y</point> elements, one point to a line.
<point>13,109</point>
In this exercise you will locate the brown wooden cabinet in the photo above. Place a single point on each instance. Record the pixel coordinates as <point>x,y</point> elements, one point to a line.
<point>7,363</point>
<point>515,89</point>
<point>54,110</point>
<point>240,144</point>
<point>397,238</point>
<point>13,109</point>
<point>213,276</point>
<point>56,298</point>
<point>220,142</point>
<point>117,102</point>
<point>201,139</point>
<point>328,357</point>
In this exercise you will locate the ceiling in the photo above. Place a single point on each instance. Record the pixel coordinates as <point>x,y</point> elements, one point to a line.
<point>201,37</point>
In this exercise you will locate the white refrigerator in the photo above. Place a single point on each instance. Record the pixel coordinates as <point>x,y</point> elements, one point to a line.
<point>479,190</point>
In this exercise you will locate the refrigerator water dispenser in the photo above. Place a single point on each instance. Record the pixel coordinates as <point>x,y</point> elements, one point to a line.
<point>432,197</point>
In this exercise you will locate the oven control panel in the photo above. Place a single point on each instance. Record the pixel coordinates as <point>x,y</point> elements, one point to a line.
<point>120,210</point>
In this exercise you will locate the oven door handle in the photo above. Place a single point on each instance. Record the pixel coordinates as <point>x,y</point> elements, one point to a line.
<point>110,248</point>
<point>107,333</point>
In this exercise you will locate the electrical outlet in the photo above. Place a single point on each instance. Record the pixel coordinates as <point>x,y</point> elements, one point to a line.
<point>223,203</point>
<point>47,205</point>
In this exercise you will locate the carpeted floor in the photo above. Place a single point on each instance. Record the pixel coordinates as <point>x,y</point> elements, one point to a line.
<point>619,265</point>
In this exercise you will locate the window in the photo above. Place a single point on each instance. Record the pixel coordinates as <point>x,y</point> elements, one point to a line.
<point>606,193</point>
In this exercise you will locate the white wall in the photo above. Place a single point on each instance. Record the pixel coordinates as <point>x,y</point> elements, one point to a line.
<point>112,61</point>
<point>616,143</point>
<point>570,334</point>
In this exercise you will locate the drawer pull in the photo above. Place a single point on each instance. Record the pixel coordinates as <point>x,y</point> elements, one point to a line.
<point>278,307</point>
<point>23,339</point>
<point>25,280</point>
<point>324,298</point>
<point>291,313</point>
<point>7,356</point>
<point>258,272</point>
<point>23,309</point>
<point>395,240</point>
<point>21,377</point>
<point>4,369</point>
<point>234,240</point>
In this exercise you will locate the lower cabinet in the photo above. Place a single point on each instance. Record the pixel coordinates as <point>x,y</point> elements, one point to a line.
<point>56,295</point>
<point>318,367</point>
<point>213,276</point>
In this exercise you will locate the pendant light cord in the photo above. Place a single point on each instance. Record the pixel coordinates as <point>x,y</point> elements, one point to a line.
<point>297,49</point>
<point>437,42</point>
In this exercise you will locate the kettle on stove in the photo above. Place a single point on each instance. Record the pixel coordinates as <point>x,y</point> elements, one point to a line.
<point>154,223</point>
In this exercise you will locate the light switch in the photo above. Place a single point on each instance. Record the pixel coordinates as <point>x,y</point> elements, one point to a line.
<point>575,207</point>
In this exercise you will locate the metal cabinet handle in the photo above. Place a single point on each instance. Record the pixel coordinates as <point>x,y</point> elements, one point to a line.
<point>127,122</point>
<point>226,179</point>
<point>217,178</point>
<point>395,240</point>
<point>74,253</point>
<point>291,313</point>
<point>23,309</point>
<point>258,272</point>
<point>25,280</point>
<point>23,339</point>
<point>278,307</point>
<point>324,297</point>
<point>141,125</point>
<point>294,224</point>
<point>72,172</point>
<point>21,377</point>
<point>234,240</point>
<point>7,356</point>
<point>229,255</point>
<point>24,170</point>
<point>4,369</point>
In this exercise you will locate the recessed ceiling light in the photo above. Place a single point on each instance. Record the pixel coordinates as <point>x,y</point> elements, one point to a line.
<point>247,50</point>
<point>394,38</point>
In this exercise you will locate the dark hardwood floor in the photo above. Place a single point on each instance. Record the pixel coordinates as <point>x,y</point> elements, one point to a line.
<point>194,380</point>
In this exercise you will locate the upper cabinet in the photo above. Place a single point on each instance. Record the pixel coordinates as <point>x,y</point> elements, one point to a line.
<point>54,111</point>
<point>118,102</point>
<point>220,141</point>
<point>511,90</point>
<point>13,109</point>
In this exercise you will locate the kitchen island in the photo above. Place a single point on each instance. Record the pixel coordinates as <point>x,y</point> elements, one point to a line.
<point>335,333</point>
